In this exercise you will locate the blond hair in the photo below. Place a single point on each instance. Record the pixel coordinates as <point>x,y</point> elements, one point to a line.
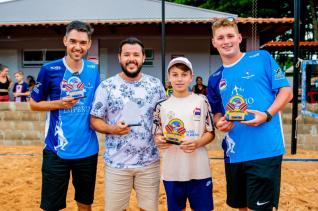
<point>224,22</point>
<point>19,73</point>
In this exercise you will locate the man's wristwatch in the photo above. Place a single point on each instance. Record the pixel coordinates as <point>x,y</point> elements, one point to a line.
<point>268,116</point>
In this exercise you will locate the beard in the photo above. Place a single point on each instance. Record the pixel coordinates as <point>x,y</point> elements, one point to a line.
<point>131,74</point>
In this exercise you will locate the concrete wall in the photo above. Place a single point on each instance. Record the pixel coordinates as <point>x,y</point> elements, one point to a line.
<point>195,48</point>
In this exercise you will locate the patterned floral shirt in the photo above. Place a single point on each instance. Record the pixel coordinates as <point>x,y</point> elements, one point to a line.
<point>131,102</point>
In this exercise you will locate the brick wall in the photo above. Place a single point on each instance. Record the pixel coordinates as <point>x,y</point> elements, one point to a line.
<point>20,126</point>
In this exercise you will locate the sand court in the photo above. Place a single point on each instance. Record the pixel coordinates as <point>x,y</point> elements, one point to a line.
<point>20,181</point>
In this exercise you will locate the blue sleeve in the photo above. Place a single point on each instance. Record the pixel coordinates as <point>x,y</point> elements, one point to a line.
<point>40,91</point>
<point>274,72</point>
<point>14,87</point>
<point>213,95</point>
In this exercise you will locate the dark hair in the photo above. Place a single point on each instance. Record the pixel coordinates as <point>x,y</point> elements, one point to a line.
<point>2,67</point>
<point>181,66</point>
<point>198,77</point>
<point>132,41</point>
<point>81,27</point>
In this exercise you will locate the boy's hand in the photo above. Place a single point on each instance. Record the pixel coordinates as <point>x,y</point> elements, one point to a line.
<point>223,125</point>
<point>161,142</point>
<point>189,145</point>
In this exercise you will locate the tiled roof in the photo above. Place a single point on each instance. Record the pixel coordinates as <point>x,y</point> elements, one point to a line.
<point>154,21</point>
<point>291,43</point>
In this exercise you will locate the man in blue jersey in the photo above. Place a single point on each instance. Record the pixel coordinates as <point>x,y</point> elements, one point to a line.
<point>122,110</point>
<point>65,88</point>
<point>253,147</point>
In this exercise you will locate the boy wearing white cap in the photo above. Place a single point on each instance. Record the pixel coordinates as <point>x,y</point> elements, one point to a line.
<point>182,127</point>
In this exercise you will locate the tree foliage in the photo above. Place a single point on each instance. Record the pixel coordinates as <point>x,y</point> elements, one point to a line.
<point>266,9</point>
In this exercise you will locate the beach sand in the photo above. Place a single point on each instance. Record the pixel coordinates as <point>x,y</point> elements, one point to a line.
<point>20,182</point>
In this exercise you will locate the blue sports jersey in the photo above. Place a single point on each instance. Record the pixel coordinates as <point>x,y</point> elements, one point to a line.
<point>67,131</point>
<point>20,88</point>
<point>255,78</point>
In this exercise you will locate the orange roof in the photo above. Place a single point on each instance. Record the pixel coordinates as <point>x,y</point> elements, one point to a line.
<point>291,43</point>
<point>265,20</point>
<point>152,21</point>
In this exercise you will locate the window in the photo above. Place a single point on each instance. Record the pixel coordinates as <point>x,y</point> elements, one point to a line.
<point>36,58</point>
<point>149,53</point>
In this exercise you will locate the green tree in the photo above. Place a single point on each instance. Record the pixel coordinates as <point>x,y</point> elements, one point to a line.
<point>265,9</point>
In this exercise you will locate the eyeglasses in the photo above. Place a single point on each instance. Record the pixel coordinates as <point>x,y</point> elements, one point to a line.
<point>224,22</point>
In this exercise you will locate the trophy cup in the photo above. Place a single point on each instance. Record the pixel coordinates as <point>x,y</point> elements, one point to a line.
<point>236,109</point>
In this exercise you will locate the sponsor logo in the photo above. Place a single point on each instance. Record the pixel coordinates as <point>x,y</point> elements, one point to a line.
<point>279,74</point>
<point>261,203</point>
<point>254,55</point>
<point>55,68</point>
<point>91,66</point>
<point>196,114</point>
<point>248,75</point>
<point>222,85</point>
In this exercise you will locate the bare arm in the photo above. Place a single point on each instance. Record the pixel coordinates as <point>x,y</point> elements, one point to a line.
<point>283,97</point>
<point>65,103</point>
<point>101,126</point>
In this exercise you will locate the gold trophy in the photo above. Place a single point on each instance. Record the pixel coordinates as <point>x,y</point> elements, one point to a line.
<point>175,132</point>
<point>236,109</point>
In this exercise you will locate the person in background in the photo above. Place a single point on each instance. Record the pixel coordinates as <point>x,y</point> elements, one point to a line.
<point>250,87</point>
<point>168,88</point>
<point>31,82</point>
<point>5,83</point>
<point>20,88</point>
<point>185,164</point>
<point>199,87</point>
<point>65,89</point>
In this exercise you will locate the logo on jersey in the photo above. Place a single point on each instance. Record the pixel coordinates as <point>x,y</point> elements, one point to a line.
<point>55,68</point>
<point>197,114</point>
<point>279,74</point>
<point>248,75</point>
<point>175,131</point>
<point>171,115</point>
<point>73,87</point>
<point>254,55</point>
<point>222,85</point>
<point>36,87</point>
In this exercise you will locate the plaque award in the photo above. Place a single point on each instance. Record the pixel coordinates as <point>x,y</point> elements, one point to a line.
<point>175,132</point>
<point>236,109</point>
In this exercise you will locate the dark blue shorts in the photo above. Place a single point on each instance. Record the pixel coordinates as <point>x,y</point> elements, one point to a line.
<point>55,178</point>
<point>198,192</point>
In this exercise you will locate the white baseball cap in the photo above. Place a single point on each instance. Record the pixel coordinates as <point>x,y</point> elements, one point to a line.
<point>180,60</point>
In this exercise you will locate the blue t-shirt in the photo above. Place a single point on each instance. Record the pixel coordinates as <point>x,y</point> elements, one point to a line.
<point>67,131</point>
<point>256,78</point>
<point>20,88</point>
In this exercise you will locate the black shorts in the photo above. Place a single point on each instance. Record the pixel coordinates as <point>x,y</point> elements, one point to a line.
<point>254,184</point>
<point>56,175</point>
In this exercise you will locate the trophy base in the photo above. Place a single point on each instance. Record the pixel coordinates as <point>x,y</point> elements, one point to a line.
<point>233,117</point>
<point>173,141</point>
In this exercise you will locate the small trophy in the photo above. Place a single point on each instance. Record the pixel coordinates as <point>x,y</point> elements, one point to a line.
<point>74,87</point>
<point>175,132</point>
<point>236,109</point>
